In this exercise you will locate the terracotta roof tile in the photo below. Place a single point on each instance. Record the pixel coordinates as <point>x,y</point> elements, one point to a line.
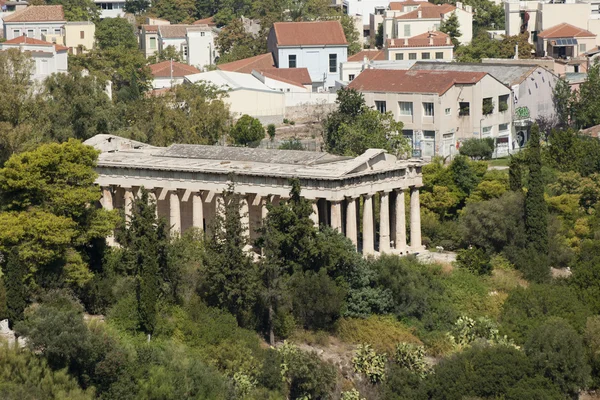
<point>163,69</point>
<point>427,39</point>
<point>400,81</point>
<point>150,28</point>
<point>434,12</point>
<point>37,13</point>
<point>247,65</point>
<point>177,31</point>
<point>295,76</point>
<point>309,33</point>
<point>370,54</point>
<point>564,30</point>
<point>24,40</point>
<point>210,21</point>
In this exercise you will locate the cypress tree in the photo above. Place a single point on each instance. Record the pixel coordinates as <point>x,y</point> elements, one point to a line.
<point>536,209</point>
<point>16,291</point>
<point>515,178</point>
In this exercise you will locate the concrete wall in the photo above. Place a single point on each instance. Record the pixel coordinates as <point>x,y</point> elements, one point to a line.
<point>38,28</point>
<point>256,103</point>
<point>73,36</point>
<point>446,53</point>
<point>201,49</point>
<point>159,83</point>
<point>535,93</point>
<point>549,15</point>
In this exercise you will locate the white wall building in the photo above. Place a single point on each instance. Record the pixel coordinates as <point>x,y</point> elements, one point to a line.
<point>48,58</point>
<point>285,79</point>
<point>111,8</point>
<point>35,22</point>
<point>319,46</point>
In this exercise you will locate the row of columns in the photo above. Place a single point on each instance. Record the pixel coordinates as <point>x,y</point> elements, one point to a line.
<point>397,222</point>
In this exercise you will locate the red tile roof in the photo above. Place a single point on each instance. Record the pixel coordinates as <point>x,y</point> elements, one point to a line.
<point>427,39</point>
<point>434,12</point>
<point>150,28</point>
<point>210,21</point>
<point>370,54</point>
<point>399,5</point>
<point>24,40</point>
<point>309,33</point>
<point>37,13</point>
<point>247,65</point>
<point>163,69</point>
<point>564,30</point>
<point>294,76</point>
<point>400,81</point>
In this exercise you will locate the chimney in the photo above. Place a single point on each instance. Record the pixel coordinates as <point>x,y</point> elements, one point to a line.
<point>392,42</point>
<point>365,60</point>
<point>419,13</point>
<point>430,40</point>
<point>459,5</point>
<point>517,52</point>
<point>406,41</point>
<point>448,40</point>
<point>469,9</point>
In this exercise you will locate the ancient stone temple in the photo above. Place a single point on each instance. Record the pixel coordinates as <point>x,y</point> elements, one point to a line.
<point>187,182</point>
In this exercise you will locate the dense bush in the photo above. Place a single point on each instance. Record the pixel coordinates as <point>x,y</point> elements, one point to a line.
<point>475,260</point>
<point>477,149</point>
<point>247,130</point>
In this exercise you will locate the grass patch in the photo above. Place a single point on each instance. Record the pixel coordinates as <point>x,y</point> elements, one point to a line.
<point>382,332</point>
<point>499,162</point>
<point>470,295</point>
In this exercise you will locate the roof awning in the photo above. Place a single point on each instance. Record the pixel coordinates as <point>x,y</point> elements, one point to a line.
<point>564,42</point>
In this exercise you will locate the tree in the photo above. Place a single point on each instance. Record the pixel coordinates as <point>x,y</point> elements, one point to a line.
<point>16,289</point>
<point>482,46</point>
<point>115,32</point>
<point>169,53</point>
<point>515,173</point>
<point>475,260</point>
<point>477,149</point>
<point>234,43</point>
<point>247,130</point>
<point>587,106</point>
<point>175,11</point>
<point>451,27</point>
<point>136,7</point>
<point>79,10</point>
<point>563,99</point>
<point>557,352</point>
<point>352,35</point>
<point>536,209</point>
<point>379,36</point>
<point>585,275</point>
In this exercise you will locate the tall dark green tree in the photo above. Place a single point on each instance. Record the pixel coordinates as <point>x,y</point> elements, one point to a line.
<point>16,289</point>
<point>515,174</point>
<point>451,27</point>
<point>536,209</point>
<point>136,6</point>
<point>563,98</point>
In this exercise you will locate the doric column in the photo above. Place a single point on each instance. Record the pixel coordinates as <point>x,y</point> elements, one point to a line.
<point>264,211</point>
<point>351,231</point>
<point>197,212</point>
<point>336,215</point>
<point>245,216</point>
<point>384,222</point>
<point>415,220</point>
<point>400,213</point>
<point>107,200</point>
<point>174,213</point>
<point>128,199</point>
<point>368,240</point>
<point>315,214</point>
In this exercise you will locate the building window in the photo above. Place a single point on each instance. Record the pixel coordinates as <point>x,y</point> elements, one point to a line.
<point>202,33</point>
<point>44,31</point>
<point>184,50</point>
<point>333,63</point>
<point>399,56</point>
<point>582,48</point>
<point>502,127</point>
<point>487,106</point>
<point>30,33</point>
<point>429,134</point>
<point>448,111</point>
<point>463,107</point>
<point>57,31</point>
<point>439,55</point>
<point>428,109</point>
<point>407,30</point>
<point>81,34</point>
<point>412,56</point>
<point>16,32</point>
<point>486,131</point>
<point>406,108</point>
<point>425,56</point>
<point>381,106</point>
<point>44,67</point>
<point>292,61</point>
<point>153,43</point>
<point>503,103</point>
<point>351,77</point>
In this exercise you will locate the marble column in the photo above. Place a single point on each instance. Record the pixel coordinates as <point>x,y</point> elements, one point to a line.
<point>336,215</point>
<point>128,199</point>
<point>368,238</point>
<point>197,212</point>
<point>415,220</point>
<point>107,200</point>
<point>351,231</point>
<point>245,217</point>
<point>174,213</point>
<point>384,222</point>
<point>315,214</point>
<point>400,219</point>
<point>264,211</point>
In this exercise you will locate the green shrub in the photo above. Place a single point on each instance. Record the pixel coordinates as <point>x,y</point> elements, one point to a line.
<point>477,149</point>
<point>367,362</point>
<point>292,144</point>
<point>247,130</point>
<point>475,260</point>
<point>412,358</point>
<point>271,131</point>
<point>382,332</point>
<point>305,375</point>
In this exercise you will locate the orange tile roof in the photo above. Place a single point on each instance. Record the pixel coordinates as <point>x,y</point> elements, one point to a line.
<point>294,76</point>
<point>309,33</point>
<point>427,39</point>
<point>564,30</point>
<point>247,65</point>
<point>399,5</point>
<point>24,40</point>
<point>434,12</point>
<point>401,81</point>
<point>163,69</point>
<point>210,21</point>
<point>370,54</point>
<point>37,13</point>
<point>150,28</point>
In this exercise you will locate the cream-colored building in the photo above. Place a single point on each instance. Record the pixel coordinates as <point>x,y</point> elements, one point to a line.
<point>409,19</point>
<point>79,36</point>
<point>432,45</point>
<point>439,109</point>
<point>187,183</point>
<point>565,41</point>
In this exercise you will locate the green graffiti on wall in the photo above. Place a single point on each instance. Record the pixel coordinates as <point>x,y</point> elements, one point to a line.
<point>522,113</point>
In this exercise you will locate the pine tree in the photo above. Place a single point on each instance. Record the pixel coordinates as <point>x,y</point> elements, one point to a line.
<point>536,209</point>
<point>451,27</point>
<point>16,291</point>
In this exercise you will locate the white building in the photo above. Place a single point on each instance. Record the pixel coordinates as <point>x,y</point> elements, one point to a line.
<point>432,45</point>
<point>285,79</point>
<point>111,8</point>
<point>35,22</point>
<point>167,74</point>
<point>439,109</point>
<point>319,46</point>
<point>48,58</point>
